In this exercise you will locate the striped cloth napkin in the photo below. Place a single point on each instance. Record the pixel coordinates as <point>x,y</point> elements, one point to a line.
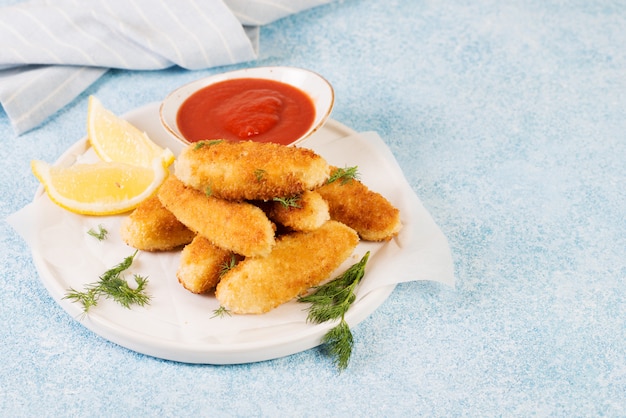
<point>52,50</point>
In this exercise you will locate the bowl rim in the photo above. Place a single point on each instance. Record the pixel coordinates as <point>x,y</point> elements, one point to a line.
<point>250,72</point>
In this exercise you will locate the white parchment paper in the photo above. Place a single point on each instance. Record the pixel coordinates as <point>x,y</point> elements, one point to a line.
<point>66,257</point>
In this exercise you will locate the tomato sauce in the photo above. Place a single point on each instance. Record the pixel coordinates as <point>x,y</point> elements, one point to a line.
<point>246,109</point>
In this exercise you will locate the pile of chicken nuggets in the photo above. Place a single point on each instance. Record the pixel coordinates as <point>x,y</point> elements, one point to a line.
<point>258,223</point>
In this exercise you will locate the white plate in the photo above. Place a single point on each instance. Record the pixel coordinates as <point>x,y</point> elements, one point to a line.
<point>178,325</point>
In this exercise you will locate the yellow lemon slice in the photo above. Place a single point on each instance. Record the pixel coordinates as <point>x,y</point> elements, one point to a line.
<point>101,188</point>
<point>116,139</point>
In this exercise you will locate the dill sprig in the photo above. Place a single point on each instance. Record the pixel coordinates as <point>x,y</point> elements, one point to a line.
<point>221,312</point>
<point>288,202</point>
<point>112,286</point>
<point>100,234</point>
<point>259,173</point>
<point>344,174</point>
<point>331,301</point>
<point>226,266</point>
<point>207,142</point>
<point>338,342</point>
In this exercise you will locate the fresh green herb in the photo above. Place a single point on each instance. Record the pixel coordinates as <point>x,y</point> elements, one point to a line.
<point>288,202</point>
<point>338,342</point>
<point>201,144</point>
<point>228,265</point>
<point>221,312</point>
<point>100,234</point>
<point>331,301</point>
<point>344,174</point>
<point>259,173</point>
<point>112,286</point>
<point>208,191</point>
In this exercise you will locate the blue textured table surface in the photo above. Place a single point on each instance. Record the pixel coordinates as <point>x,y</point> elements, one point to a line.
<point>509,121</point>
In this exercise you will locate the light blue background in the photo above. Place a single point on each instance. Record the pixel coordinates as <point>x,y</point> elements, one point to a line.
<point>509,121</point>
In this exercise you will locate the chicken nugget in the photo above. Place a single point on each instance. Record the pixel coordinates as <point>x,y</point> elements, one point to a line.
<point>201,264</point>
<point>248,170</point>
<point>236,226</point>
<point>298,261</point>
<point>151,227</point>
<point>305,212</point>
<point>372,216</point>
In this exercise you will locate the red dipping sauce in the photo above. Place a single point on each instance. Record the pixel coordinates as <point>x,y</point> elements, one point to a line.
<point>246,109</point>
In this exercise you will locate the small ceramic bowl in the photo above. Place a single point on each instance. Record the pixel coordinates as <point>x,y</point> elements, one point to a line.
<point>312,84</point>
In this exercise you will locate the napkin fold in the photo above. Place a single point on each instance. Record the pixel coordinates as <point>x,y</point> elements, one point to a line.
<point>50,51</point>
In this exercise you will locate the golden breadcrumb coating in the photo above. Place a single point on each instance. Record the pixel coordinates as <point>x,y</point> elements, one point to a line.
<point>201,264</point>
<point>298,261</point>
<point>151,227</point>
<point>309,213</point>
<point>367,212</point>
<point>239,227</point>
<point>248,170</point>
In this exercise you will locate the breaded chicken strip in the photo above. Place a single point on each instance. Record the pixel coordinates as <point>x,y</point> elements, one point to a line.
<point>239,227</point>
<point>151,227</point>
<point>367,212</point>
<point>201,264</point>
<point>298,261</point>
<point>248,170</point>
<point>307,212</point>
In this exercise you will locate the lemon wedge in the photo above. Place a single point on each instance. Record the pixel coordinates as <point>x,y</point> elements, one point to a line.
<point>101,188</point>
<point>116,139</point>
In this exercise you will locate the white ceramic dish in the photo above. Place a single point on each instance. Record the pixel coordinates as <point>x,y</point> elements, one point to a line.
<point>315,86</point>
<point>178,325</point>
